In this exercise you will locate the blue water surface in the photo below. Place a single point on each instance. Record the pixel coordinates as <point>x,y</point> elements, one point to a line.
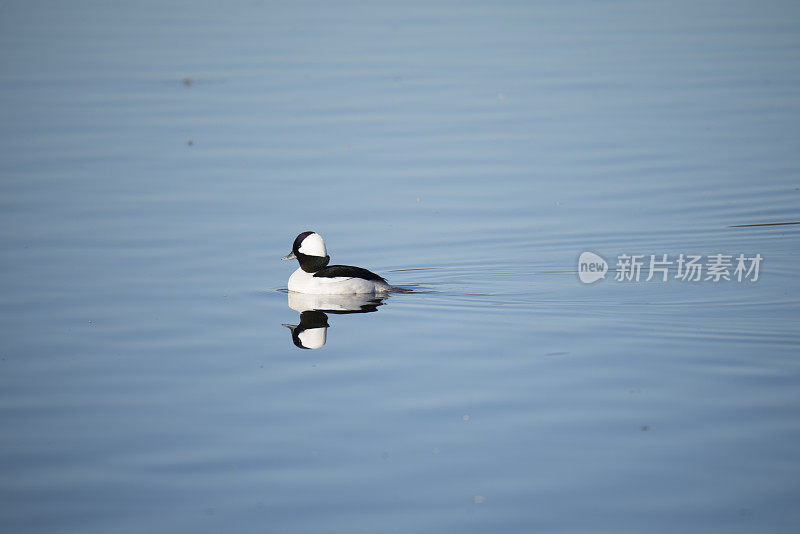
<point>157,159</point>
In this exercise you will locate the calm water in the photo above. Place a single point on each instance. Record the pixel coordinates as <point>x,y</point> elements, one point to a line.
<point>157,161</point>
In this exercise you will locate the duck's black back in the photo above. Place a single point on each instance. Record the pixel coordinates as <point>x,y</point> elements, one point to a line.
<point>348,271</point>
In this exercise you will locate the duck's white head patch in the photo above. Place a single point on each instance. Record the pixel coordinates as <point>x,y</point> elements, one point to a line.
<point>313,245</point>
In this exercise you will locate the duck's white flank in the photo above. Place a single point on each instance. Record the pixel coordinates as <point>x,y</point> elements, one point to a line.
<point>304,282</point>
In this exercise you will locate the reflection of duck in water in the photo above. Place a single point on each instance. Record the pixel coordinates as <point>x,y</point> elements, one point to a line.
<point>311,333</point>
<point>317,277</point>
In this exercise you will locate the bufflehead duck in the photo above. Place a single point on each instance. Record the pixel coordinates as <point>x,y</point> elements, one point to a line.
<point>317,277</point>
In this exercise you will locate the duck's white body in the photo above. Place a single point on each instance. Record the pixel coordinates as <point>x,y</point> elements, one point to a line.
<point>304,282</point>
<point>316,277</point>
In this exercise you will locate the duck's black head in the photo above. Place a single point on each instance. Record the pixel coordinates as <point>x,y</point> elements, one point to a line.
<point>309,250</point>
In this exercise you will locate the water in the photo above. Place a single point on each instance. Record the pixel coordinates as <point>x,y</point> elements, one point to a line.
<point>156,162</point>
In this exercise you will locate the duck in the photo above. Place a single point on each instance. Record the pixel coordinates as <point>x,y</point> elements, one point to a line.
<point>315,276</point>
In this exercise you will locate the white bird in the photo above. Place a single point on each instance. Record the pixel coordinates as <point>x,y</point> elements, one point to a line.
<point>315,276</point>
